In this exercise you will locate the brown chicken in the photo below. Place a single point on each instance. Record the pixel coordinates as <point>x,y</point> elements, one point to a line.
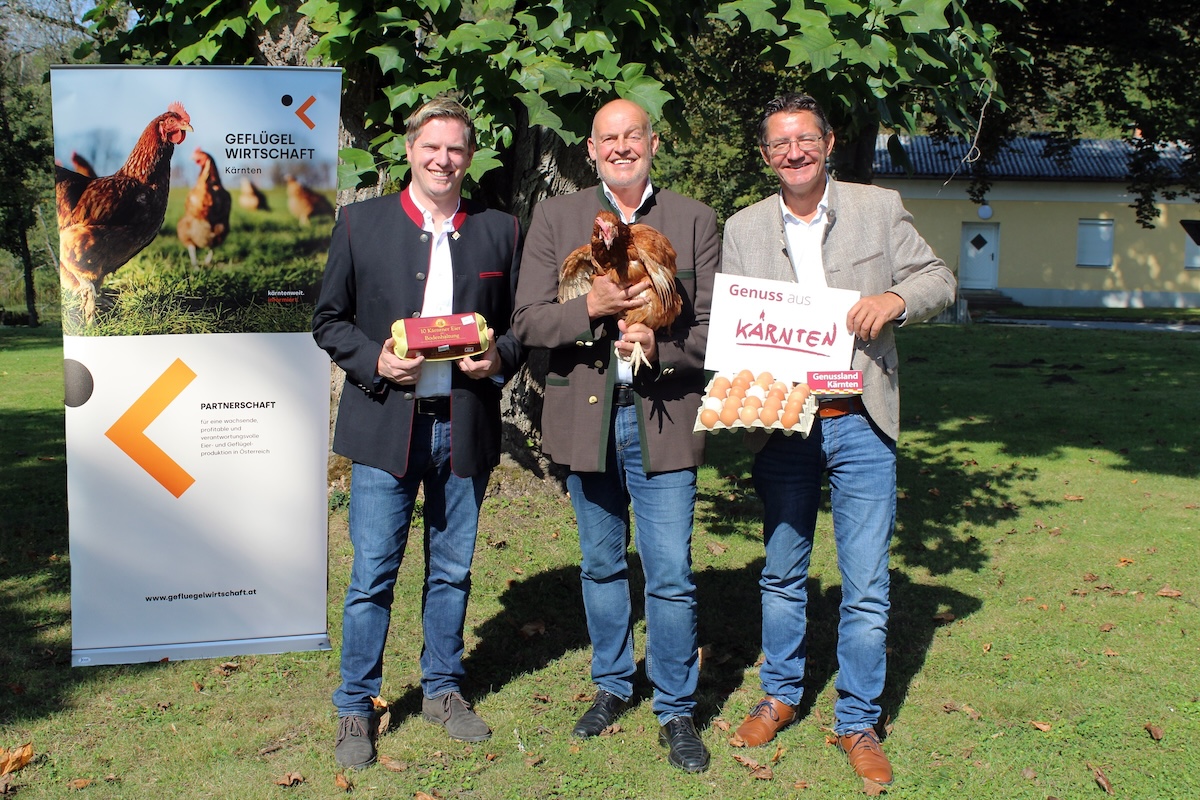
<point>205,220</point>
<point>251,198</point>
<point>304,203</point>
<point>627,254</point>
<point>104,222</point>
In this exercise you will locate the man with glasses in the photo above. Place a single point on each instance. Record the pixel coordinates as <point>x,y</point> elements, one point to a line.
<point>821,232</point>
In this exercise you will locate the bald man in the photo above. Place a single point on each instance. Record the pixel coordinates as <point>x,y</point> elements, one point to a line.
<point>627,438</point>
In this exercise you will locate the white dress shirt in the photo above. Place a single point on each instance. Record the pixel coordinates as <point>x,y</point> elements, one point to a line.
<point>439,299</point>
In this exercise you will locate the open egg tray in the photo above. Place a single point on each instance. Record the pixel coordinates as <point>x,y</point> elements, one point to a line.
<point>807,412</point>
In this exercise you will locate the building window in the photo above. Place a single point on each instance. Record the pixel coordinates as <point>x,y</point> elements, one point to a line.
<point>1191,243</point>
<point>1094,243</point>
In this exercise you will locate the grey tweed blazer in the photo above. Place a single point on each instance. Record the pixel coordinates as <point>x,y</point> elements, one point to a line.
<point>870,245</point>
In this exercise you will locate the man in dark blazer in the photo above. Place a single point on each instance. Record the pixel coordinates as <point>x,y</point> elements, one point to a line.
<point>627,437</point>
<point>822,232</point>
<point>404,422</point>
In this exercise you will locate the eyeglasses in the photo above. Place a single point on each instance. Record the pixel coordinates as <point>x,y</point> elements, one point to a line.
<point>809,143</point>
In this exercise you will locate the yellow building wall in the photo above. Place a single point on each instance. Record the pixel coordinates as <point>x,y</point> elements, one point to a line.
<point>1038,239</point>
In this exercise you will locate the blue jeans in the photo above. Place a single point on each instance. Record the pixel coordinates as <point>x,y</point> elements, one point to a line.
<point>663,504</point>
<point>861,462</point>
<point>381,509</point>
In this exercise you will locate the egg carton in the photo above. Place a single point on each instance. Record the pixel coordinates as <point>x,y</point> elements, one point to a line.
<point>802,426</point>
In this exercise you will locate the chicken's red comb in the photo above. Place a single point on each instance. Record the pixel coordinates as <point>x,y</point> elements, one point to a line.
<point>177,109</point>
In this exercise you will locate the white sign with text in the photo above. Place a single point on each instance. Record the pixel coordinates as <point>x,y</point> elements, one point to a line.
<point>785,328</point>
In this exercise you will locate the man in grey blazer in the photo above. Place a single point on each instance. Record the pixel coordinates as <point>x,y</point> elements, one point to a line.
<point>817,231</point>
<point>627,437</point>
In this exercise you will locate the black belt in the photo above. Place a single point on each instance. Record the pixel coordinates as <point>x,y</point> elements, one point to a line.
<point>434,406</point>
<point>623,395</point>
<point>840,407</point>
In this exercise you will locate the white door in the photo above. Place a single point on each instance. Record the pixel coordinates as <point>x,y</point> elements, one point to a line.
<point>978,259</point>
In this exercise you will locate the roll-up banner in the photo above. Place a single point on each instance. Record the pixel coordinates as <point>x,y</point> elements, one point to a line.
<point>195,206</point>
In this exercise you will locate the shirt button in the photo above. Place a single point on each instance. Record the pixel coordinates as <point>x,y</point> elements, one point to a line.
<point>593,400</point>
<point>416,313</point>
<point>420,276</point>
<point>598,364</point>
<point>408,395</point>
<point>424,237</point>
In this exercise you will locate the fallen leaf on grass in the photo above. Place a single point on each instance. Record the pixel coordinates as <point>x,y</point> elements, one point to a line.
<point>873,789</point>
<point>1156,733</point>
<point>1073,497</point>
<point>7,786</point>
<point>423,796</point>
<point>226,669</point>
<point>943,618</point>
<point>757,771</point>
<point>1028,774</point>
<point>391,764</point>
<point>541,698</point>
<point>79,783</point>
<point>716,548</point>
<point>779,751</point>
<point>13,760</point>
<point>1108,651</point>
<point>342,782</point>
<point>801,785</point>
<point>721,724</point>
<point>1167,591</point>
<point>290,779</point>
<point>532,761</point>
<point>1041,726</point>
<point>532,628</point>
<point>987,647</point>
<point>1108,627</point>
<point>1125,562</point>
<point>1090,577</point>
<point>1101,779</point>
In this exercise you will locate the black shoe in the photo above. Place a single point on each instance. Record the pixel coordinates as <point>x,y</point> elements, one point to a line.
<point>604,710</point>
<point>687,751</point>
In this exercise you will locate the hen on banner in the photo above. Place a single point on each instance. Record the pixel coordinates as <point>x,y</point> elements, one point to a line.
<point>627,254</point>
<point>205,220</point>
<point>104,222</point>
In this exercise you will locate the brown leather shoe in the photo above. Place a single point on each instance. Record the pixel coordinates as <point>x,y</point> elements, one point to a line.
<point>767,718</point>
<point>866,756</point>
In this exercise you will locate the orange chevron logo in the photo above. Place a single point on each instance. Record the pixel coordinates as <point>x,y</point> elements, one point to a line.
<point>129,432</point>
<point>300,112</point>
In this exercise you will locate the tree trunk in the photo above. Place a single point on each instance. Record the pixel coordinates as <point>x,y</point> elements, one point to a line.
<point>854,159</point>
<point>30,293</point>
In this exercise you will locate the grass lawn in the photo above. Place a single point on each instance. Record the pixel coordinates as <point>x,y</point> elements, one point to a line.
<point>1044,635</point>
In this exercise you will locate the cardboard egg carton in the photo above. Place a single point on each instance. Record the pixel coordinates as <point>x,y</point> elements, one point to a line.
<point>734,413</point>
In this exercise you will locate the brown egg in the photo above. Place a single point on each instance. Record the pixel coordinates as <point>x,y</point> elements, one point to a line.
<point>781,386</point>
<point>720,386</point>
<point>778,394</point>
<point>773,401</point>
<point>751,401</point>
<point>790,418</point>
<point>769,415</point>
<point>729,414</point>
<point>748,415</point>
<point>765,379</point>
<point>794,404</point>
<point>745,375</point>
<point>708,418</point>
<point>737,392</point>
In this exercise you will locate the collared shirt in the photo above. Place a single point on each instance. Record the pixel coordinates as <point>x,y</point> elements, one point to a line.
<point>439,299</point>
<point>804,240</point>
<point>612,198</point>
<point>625,368</point>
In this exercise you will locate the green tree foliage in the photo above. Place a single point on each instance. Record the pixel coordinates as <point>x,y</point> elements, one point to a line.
<point>1100,69</point>
<point>524,65</point>
<point>25,154</point>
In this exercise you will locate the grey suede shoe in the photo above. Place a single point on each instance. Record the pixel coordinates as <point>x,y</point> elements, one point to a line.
<point>455,715</point>
<point>355,750</point>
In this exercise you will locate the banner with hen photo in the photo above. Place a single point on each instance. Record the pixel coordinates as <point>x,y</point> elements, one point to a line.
<point>195,207</point>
